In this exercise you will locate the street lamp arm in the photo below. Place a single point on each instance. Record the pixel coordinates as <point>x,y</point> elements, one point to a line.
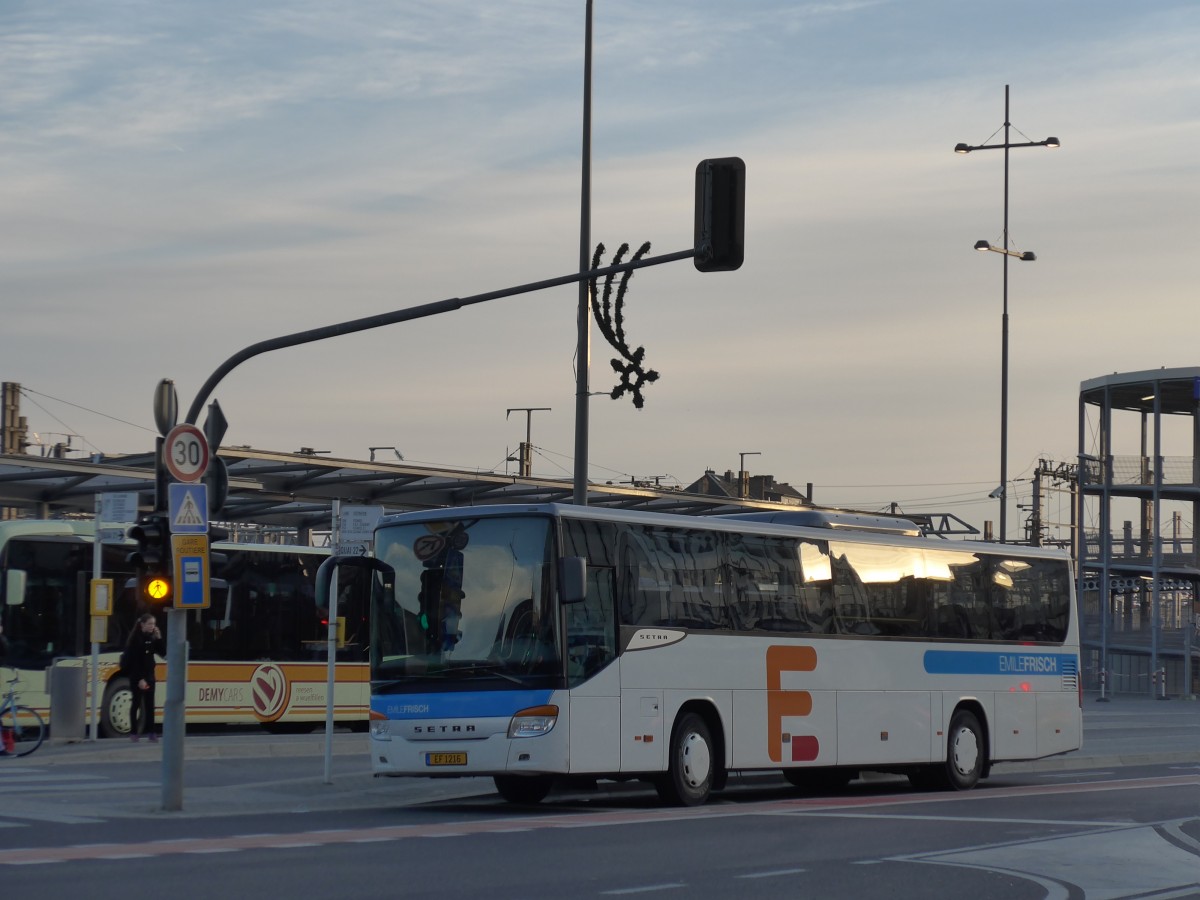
<point>1051,142</point>
<point>408,314</point>
<point>1023,255</point>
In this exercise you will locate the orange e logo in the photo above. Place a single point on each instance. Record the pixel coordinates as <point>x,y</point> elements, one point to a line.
<point>781,703</point>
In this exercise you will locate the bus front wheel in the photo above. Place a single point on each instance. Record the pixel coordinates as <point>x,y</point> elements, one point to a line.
<point>690,771</point>
<point>526,790</point>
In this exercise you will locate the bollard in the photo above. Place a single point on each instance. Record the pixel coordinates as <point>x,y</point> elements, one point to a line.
<point>1103,698</point>
<point>1162,680</point>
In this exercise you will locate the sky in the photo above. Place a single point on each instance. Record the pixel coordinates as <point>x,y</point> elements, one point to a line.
<point>181,181</point>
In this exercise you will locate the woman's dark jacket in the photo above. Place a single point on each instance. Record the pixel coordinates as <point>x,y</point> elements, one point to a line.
<point>137,661</point>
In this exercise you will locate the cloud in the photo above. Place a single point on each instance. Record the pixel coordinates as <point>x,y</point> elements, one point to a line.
<point>181,182</point>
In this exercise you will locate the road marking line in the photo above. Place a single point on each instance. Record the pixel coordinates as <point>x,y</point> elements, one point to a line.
<point>773,874</point>
<point>126,856</point>
<point>999,820</point>
<point>62,819</point>
<point>646,889</point>
<point>76,786</point>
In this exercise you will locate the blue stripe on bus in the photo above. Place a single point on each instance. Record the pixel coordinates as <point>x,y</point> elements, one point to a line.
<point>1004,662</point>
<point>457,705</point>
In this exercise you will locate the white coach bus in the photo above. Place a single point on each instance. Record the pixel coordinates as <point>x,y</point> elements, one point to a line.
<point>530,643</point>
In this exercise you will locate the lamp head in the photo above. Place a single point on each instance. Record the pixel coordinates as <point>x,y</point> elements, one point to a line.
<point>1028,256</point>
<point>1052,142</point>
<point>982,245</point>
<point>965,148</point>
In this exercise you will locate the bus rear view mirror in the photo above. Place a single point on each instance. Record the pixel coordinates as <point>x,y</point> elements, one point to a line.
<point>572,579</point>
<point>14,587</point>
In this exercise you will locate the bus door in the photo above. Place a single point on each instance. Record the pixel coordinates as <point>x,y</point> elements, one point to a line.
<point>593,676</point>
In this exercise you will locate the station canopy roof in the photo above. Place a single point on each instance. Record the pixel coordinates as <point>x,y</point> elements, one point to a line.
<point>297,490</point>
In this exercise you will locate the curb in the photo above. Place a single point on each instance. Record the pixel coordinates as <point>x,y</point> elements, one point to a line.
<point>195,748</point>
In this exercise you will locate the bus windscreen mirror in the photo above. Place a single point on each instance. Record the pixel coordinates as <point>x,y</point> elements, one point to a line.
<point>572,579</point>
<point>14,587</point>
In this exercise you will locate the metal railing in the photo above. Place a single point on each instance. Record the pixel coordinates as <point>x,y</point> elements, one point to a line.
<point>1177,471</point>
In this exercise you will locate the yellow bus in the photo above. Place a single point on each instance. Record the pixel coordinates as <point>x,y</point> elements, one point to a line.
<point>257,655</point>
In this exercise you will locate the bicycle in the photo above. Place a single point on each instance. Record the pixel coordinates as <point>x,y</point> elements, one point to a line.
<point>21,728</point>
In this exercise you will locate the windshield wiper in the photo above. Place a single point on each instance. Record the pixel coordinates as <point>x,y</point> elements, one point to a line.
<point>448,674</point>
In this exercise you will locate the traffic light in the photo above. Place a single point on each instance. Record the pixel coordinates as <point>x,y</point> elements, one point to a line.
<point>720,214</point>
<point>152,559</point>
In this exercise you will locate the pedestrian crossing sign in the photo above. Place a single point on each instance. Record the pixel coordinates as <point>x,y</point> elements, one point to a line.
<point>187,508</point>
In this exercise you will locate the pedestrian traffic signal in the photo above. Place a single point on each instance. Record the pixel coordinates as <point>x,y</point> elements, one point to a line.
<point>156,588</point>
<point>720,214</point>
<point>152,558</point>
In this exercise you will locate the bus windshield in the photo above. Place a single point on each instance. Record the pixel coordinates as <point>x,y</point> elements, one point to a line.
<point>472,606</point>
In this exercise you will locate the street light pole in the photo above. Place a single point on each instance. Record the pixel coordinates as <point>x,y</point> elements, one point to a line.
<point>583,342</point>
<point>1006,252</point>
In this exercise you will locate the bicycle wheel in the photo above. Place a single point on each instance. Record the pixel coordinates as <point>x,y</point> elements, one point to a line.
<point>28,729</point>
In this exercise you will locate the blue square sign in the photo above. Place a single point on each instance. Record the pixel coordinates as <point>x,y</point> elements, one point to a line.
<point>187,508</point>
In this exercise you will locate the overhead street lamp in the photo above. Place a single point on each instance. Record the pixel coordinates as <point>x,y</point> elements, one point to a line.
<point>1005,252</point>
<point>1027,255</point>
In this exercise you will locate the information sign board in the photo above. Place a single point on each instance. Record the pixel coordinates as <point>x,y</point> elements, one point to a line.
<point>190,555</point>
<point>102,596</point>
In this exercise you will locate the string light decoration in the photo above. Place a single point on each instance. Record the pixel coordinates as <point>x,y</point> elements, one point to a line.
<point>610,316</point>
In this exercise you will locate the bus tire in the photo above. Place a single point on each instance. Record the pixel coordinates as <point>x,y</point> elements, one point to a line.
<point>689,778</point>
<point>116,711</point>
<point>966,751</point>
<point>527,790</point>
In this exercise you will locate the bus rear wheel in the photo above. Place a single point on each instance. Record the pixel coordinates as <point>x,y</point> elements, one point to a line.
<point>690,773</point>
<point>527,790</point>
<point>966,758</point>
<point>966,751</point>
<point>116,712</point>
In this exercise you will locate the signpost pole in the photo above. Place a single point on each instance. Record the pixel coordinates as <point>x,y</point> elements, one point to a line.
<point>97,573</point>
<point>331,646</point>
<point>173,710</point>
<point>185,455</point>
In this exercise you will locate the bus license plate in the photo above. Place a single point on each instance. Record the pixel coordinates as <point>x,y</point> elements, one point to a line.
<point>445,759</point>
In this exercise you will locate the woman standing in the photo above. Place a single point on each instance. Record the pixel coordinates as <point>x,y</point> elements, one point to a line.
<point>138,663</point>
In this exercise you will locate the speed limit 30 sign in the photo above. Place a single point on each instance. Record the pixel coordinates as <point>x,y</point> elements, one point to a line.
<point>185,453</point>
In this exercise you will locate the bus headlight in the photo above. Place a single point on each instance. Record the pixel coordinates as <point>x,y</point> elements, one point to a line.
<point>379,727</point>
<point>533,722</point>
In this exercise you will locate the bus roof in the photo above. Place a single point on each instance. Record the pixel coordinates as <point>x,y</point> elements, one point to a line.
<point>84,531</point>
<point>865,528</point>
<point>818,518</point>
